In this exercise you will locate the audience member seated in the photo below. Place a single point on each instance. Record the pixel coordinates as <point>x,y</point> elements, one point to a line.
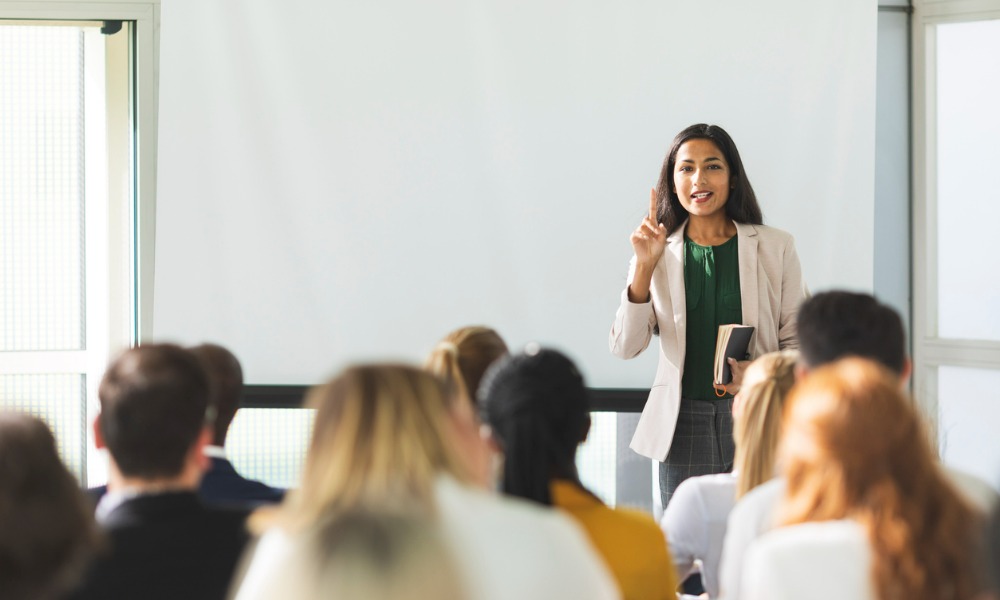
<point>47,530</point>
<point>881,521</point>
<point>831,325</point>
<point>164,543</point>
<point>461,359</point>
<point>537,407</point>
<point>393,439</point>
<point>695,519</point>
<point>222,485</point>
<point>463,356</point>
<point>368,555</point>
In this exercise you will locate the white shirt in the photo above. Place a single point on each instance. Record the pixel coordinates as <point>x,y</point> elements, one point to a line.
<point>514,549</point>
<point>505,548</point>
<point>755,514</point>
<point>695,525</point>
<point>112,500</point>
<point>830,560</point>
<point>215,452</point>
<point>750,518</point>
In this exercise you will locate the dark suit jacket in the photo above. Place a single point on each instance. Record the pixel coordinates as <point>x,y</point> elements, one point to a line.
<point>223,486</point>
<point>166,546</point>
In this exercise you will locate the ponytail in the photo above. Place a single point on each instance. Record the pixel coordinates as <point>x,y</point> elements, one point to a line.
<point>463,356</point>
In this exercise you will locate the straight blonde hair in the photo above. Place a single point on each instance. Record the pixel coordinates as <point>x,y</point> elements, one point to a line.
<point>463,356</point>
<point>758,429</point>
<point>381,437</point>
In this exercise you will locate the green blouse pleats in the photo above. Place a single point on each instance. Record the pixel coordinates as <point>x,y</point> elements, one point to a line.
<point>712,286</point>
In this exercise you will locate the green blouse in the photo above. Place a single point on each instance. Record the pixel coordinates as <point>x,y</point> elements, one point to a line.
<point>712,285</point>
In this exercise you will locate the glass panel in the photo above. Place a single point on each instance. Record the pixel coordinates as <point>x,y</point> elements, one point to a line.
<point>968,413</point>
<point>41,188</point>
<point>60,399</point>
<point>968,93</point>
<point>596,460</point>
<point>269,444</point>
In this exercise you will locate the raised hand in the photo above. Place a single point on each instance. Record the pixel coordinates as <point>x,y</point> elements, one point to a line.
<point>650,238</point>
<point>648,242</point>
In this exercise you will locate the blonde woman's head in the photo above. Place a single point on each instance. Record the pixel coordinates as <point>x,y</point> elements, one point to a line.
<point>382,435</point>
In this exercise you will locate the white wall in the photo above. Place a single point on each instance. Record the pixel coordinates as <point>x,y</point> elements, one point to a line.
<point>340,181</point>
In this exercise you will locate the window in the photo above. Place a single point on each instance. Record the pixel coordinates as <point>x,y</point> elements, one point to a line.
<point>66,301</point>
<point>956,325</point>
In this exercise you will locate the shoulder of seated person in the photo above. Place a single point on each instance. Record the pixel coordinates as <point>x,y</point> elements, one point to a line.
<point>980,494</point>
<point>766,491</point>
<point>759,502</point>
<point>708,481</point>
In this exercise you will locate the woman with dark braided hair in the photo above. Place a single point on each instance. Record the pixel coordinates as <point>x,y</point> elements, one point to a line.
<point>538,409</point>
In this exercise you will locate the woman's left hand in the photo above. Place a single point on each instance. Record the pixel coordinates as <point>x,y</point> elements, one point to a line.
<point>737,367</point>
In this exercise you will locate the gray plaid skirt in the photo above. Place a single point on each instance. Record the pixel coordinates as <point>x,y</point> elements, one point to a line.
<point>703,443</point>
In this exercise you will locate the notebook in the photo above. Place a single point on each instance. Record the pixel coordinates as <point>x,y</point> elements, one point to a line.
<point>733,342</point>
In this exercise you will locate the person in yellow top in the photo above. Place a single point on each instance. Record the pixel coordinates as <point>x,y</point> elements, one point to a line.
<point>537,408</point>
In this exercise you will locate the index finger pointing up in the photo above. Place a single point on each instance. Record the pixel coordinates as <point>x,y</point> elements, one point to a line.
<point>652,204</point>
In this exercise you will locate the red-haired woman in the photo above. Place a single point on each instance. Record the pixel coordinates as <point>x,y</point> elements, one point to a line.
<point>871,514</point>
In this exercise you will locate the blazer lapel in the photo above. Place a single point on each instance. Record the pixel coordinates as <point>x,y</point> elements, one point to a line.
<point>748,274</point>
<point>675,281</point>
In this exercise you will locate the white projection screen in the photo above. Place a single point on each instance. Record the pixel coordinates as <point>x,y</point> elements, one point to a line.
<point>348,181</point>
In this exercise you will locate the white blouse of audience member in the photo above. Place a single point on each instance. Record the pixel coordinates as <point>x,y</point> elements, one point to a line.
<point>695,525</point>
<point>829,560</point>
<point>505,548</point>
<point>754,515</point>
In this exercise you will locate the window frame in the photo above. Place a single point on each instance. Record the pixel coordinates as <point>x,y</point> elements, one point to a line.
<point>120,236</point>
<point>145,73</point>
<point>930,350</point>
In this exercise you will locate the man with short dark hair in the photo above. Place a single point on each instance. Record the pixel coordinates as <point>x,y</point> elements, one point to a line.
<point>222,485</point>
<point>837,324</point>
<point>831,325</point>
<point>163,542</point>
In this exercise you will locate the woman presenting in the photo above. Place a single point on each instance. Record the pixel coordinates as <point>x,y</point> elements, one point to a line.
<point>702,259</point>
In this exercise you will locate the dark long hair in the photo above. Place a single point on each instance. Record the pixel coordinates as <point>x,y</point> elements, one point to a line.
<point>49,532</point>
<point>539,410</point>
<point>742,205</point>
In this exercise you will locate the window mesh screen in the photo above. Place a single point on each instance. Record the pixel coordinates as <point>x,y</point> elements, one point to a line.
<point>597,458</point>
<point>60,399</point>
<point>41,189</point>
<point>270,445</point>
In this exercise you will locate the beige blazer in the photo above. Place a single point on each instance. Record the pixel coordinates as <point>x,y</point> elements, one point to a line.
<point>771,289</point>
